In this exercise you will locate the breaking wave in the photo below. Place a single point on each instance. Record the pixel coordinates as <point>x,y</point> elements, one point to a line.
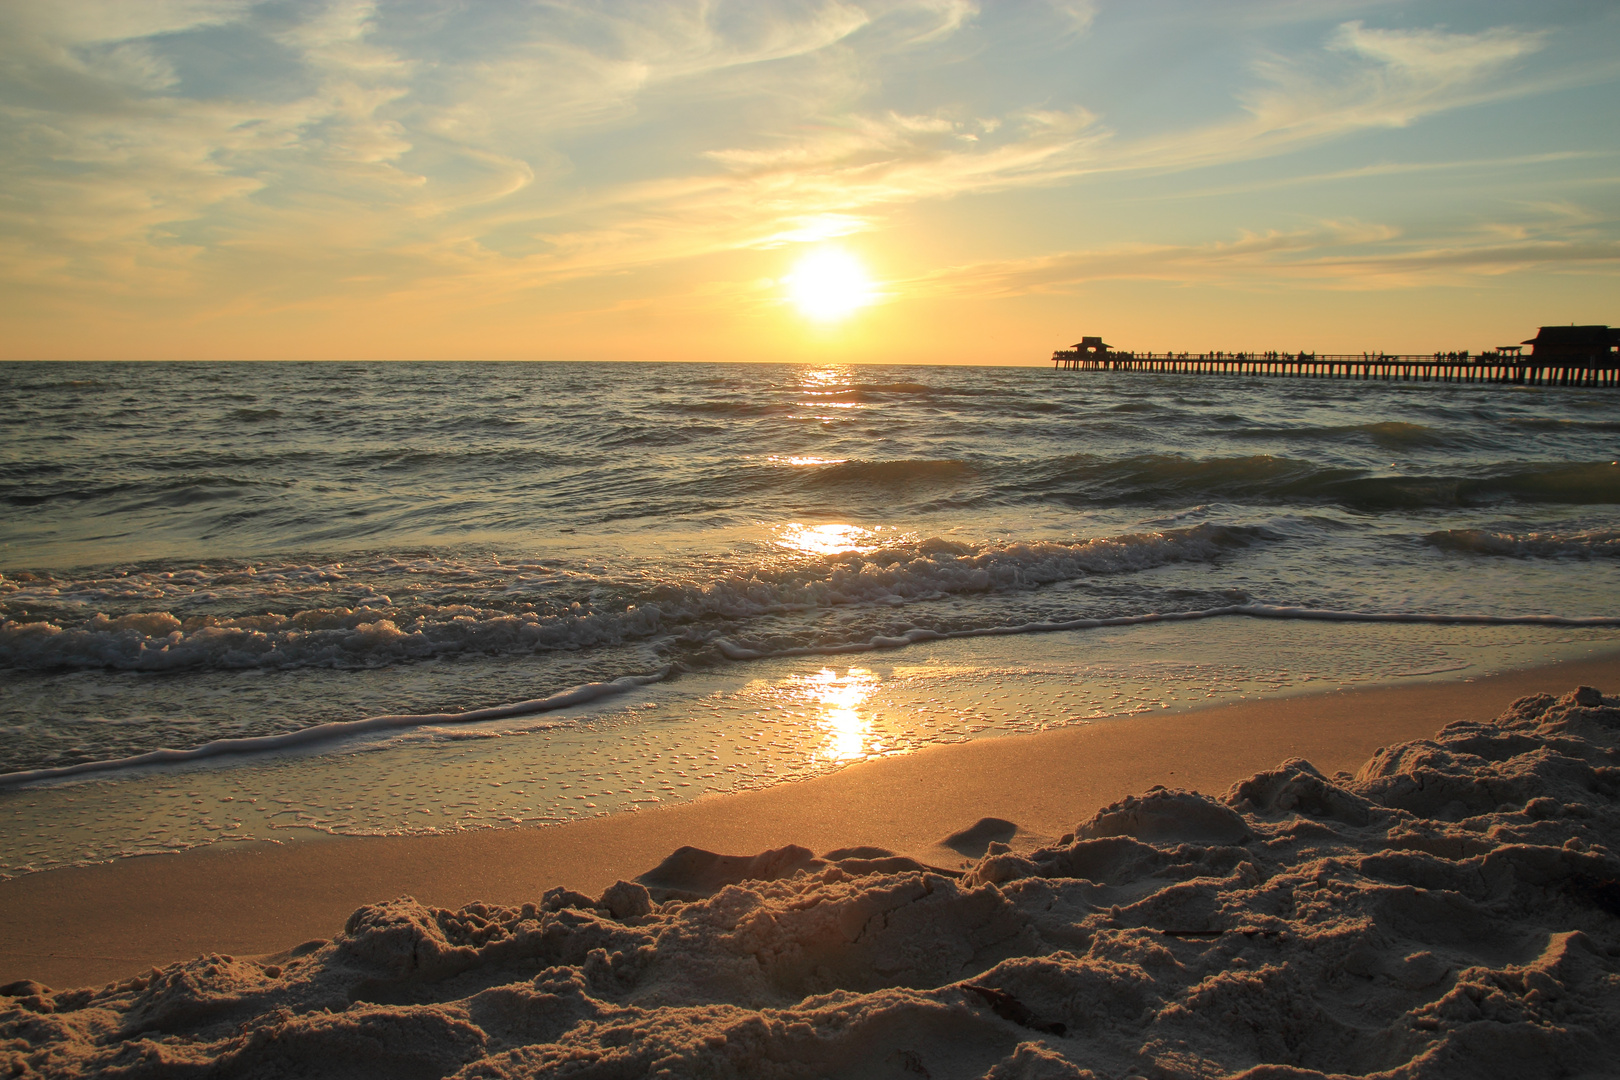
<point>1171,478</point>
<point>1590,543</point>
<point>589,692</point>
<point>340,616</point>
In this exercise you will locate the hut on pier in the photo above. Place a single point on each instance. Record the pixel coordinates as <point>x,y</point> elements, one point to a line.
<point>1091,348</point>
<point>1576,346</point>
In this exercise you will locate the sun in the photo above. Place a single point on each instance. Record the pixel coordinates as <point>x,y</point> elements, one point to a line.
<point>829,284</point>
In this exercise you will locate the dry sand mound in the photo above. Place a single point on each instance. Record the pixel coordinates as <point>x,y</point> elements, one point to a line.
<point>1453,910</point>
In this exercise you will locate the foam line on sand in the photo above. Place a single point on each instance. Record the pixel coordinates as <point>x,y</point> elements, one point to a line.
<point>337,729</point>
<point>733,651</point>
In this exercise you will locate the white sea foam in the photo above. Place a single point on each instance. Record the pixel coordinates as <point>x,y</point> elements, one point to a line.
<point>424,612</point>
<point>743,652</point>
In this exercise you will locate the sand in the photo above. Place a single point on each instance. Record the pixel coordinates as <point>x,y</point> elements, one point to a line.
<point>90,925</point>
<point>1449,910</point>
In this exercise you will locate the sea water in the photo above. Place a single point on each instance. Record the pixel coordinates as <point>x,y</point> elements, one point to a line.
<point>255,600</point>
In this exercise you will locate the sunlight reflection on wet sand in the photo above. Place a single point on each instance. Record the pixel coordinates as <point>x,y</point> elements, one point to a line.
<point>840,698</point>
<point>733,730</point>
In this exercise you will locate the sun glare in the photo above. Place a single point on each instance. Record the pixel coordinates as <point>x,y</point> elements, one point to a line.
<point>829,284</point>
<point>847,734</point>
<point>828,539</point>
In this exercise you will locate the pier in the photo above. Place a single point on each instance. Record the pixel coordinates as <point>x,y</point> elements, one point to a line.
<point>1560,356</point>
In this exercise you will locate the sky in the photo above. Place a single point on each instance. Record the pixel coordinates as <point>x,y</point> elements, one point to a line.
<point>911,181</point>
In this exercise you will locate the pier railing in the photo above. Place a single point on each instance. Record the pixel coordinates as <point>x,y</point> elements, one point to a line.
<point>1406,367</point>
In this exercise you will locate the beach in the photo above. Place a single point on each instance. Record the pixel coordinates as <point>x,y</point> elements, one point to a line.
<point>714,708</point>
<point>920,942</point>
<point>833,538</point>
<point>94,924</point>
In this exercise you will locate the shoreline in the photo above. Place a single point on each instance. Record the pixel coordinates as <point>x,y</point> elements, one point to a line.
<point>261,898</point>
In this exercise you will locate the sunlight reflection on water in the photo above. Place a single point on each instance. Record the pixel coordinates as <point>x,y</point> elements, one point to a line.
<point>829,539</point>
<point>801,460</point>
<point>825,379</point>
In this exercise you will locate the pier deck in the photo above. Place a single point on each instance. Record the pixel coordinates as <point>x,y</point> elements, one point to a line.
<point>1503,368</point>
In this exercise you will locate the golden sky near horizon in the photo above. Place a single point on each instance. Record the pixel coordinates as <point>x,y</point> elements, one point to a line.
<point>908,181</point>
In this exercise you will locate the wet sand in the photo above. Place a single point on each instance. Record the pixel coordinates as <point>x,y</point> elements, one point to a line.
<point>94,924</point>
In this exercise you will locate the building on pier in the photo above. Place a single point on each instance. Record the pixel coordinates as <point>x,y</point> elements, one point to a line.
<point>1576,346</point>
<point>1091,348</point>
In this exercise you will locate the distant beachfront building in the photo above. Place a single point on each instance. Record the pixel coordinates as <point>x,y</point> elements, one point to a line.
<point>1091,347</point>
<point>1577,346</point>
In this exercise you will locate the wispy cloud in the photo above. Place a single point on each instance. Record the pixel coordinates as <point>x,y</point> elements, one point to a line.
<point>1391,168</point>
<point>1323,255</point>
<point>1076,15</point>
<point>1361,79</point>
<point>500,146</point>
<point>115,175</point>
<point>1388,78</point>
<point>114,183</point>
<point>862,166</point>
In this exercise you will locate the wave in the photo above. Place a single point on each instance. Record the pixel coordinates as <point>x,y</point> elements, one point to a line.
<point>1387,434</point>
<point>1561,423</point>
<point>862,392</point>
<point>1588,543</point>
<point>459,457</point>
<point>443,607</point>
<point>658,435</point>
<point>342,729</point>
<point>734,651</point>
<point>742,408</point>
<point>782,400</point>
<point>888,473</point>
<point>154,492</point>
<point>48,385</point>
<point>1168,478</point>
<point>1578,485</point>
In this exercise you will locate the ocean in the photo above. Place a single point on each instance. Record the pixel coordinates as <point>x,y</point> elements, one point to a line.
<point>270,600</point>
